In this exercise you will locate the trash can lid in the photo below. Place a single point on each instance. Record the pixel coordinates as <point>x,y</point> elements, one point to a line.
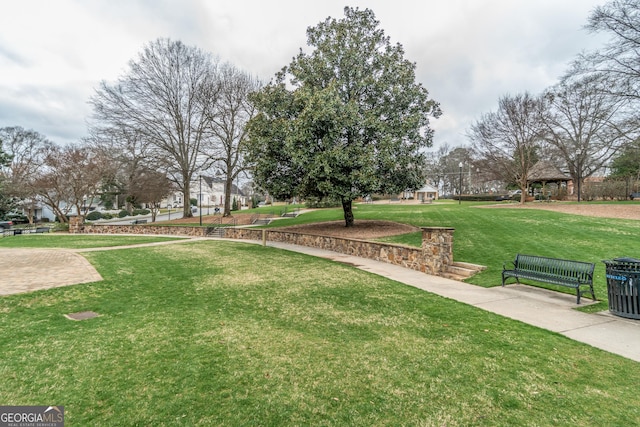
<point>627,259</point>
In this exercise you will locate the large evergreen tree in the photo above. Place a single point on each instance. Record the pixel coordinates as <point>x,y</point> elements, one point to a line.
<point>345,120</point>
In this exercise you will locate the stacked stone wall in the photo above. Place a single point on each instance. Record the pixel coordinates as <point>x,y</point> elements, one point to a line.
<point>433,257</point>
<point>144,229</point>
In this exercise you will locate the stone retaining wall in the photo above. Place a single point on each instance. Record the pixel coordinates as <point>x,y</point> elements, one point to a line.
<point>433,257</point>
<point>142,229</point>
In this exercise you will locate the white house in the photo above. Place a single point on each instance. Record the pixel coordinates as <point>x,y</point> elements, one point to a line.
<point>209,192</point>
<point>426,193</point>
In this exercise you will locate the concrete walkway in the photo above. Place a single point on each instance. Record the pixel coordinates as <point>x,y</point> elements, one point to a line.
<point>26,270</point>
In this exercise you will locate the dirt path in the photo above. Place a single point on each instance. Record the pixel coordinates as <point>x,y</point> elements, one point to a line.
<point>620,211</point>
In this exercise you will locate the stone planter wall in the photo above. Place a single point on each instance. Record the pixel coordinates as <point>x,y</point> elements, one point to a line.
<point>433,257</point>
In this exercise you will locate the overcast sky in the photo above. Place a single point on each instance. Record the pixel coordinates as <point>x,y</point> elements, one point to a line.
<point>468,53</point>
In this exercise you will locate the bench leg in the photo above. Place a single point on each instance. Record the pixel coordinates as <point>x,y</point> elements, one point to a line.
<point>504,279</point>
<point>589,291</point>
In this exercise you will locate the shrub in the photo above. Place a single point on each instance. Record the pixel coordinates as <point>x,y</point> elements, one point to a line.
<point>484,197</point>
<point>123,213</point>
<point>141,211</point>
<point>254,201</point>
<point>61,226</point>
<point>95,215</point>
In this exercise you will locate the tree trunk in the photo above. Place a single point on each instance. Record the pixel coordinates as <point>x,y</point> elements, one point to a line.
<point>348,213</point>
<point>524,191</point>
<point>227,196</point>
<point>186,194</point>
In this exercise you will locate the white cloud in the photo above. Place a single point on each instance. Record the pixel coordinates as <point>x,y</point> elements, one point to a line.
<point>468,52</point>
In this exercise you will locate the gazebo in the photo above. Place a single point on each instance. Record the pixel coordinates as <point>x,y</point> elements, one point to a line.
<point>545,172</point>
<point>426,193</point>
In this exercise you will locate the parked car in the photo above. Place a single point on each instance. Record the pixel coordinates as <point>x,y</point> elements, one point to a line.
<point>17,219</point>
<point>634,196</point>
<point>5,225</point>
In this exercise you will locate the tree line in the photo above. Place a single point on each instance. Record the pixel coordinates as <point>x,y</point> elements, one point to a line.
<point>346,119</point>
<point>586,122</point>
<point>175,113</point>
<point>341,122</point>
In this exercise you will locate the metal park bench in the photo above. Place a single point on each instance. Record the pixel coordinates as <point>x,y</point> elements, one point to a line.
<point>139,221</point>
<point>573,274</point>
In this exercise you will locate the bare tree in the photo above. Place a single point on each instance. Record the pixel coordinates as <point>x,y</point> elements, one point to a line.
<point>150,187</point>
<point>26,148</point>
<point>229,117</point>
<point>507,141</point>
<point>165,96</point>
<point>585,125</point>
<point>70,177</point>
<point>130,154</point>
<point>444,169</point>
<point>6,201</point>
<point>618,61</point>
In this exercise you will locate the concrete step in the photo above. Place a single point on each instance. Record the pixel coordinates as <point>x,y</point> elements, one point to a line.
<point>453,276</point>
<point>215,232</point>
<point>476,267</point>
<point>462,270</point>
<point>263,221</point>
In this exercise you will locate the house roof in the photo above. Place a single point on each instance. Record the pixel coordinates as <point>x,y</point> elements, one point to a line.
<point>427,188</point>
<point>210,181</point>
<point>545,171</point>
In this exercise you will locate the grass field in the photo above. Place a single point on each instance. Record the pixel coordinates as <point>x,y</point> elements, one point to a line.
<point>220,333</point>
<point>491,237</point>
<point>77,241</point>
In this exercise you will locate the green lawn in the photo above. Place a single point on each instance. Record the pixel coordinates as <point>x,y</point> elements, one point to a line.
<point>76,241</point>
<point>219,333</point>
<point>490,237</point>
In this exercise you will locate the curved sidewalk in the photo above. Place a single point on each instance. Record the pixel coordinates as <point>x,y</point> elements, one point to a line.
<point>546,309</point>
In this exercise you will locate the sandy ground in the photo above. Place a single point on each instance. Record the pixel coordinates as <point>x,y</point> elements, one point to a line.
<point>621,211</point>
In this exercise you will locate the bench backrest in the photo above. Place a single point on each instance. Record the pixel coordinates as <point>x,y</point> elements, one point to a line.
<point>581,271</point>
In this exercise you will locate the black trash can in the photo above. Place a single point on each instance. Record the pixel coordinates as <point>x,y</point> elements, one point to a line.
<point>623,287</point>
